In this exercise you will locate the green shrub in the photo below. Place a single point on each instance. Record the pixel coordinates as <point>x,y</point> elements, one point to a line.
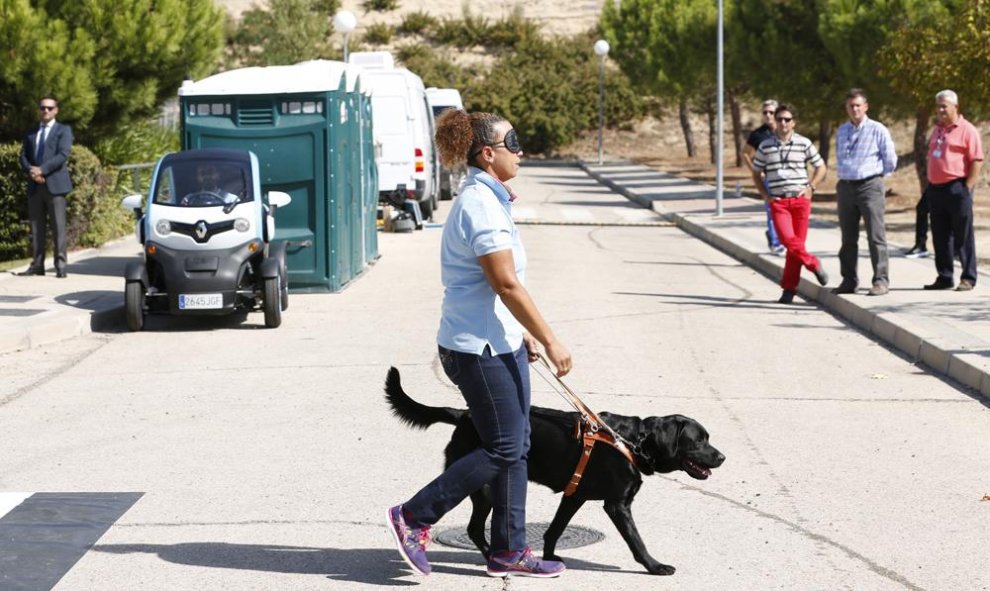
<point>94,213</point>
<point>511,30</point>
<point>378,34</point>
<point>433,69</point>
<point>379,5</point>
<point>417,23</point>
<point>463,32</point>
<point>548,89</point>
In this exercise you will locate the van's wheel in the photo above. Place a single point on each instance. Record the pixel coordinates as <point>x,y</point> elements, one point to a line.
<point>273,302</point>
<point>134,304</point>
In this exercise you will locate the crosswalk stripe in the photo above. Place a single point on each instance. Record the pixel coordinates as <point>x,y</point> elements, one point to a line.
<point>45,534</point>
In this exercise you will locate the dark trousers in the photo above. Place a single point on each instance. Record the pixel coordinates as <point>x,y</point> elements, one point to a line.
<point>952,229</point>
<point>862,200</point>
<point>497,392</point>
<point>41,205</point>
<point>921,213</point>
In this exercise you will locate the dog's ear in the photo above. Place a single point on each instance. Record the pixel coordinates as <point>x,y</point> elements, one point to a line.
<point>661,442</point>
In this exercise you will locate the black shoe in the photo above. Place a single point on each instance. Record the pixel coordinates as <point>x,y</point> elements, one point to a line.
<point>821,275</point>
<point>61,274</point>
<point>787,297</point>
<point>844,288</point>
<point>940,284</point>
<point>916,252</point>
<point>30,272</point>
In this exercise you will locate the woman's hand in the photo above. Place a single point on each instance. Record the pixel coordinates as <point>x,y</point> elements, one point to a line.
<point>560,357</point>
<point>532,347</point>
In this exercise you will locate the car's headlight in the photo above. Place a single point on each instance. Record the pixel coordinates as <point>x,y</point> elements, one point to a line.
<point>242,225</point>
<point>163,227</point>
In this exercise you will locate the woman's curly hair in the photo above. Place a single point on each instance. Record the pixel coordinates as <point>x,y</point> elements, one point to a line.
<point>460,135</point>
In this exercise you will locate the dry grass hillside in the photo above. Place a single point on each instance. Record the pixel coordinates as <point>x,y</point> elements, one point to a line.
<point>659,142</point>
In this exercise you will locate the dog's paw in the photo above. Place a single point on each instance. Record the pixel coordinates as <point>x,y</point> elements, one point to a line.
<point>660,569</point>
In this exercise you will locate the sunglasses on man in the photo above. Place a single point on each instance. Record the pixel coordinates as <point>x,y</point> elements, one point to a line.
<point>785,119</point>
<point>47,108</point>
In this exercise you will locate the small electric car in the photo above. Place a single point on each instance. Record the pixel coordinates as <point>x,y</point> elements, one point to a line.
<point>206,233</point>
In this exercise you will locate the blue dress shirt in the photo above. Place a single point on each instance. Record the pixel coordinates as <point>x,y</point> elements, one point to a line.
<point>865,151</point>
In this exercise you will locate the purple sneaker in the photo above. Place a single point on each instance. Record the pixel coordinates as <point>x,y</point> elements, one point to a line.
<point>523,564</point>
<point>411,541</point>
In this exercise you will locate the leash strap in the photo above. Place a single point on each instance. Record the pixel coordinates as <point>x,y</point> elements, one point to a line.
<point>588,429</point>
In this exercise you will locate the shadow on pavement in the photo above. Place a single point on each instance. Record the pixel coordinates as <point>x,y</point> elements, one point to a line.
<point>108,266</point>
<point>90,300</point>
<point>372,566</point>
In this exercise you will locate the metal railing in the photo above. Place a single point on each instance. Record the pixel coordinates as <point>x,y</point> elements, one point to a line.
<point>136,173</point>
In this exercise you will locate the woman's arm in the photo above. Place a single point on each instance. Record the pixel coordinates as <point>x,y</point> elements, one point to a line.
<point>500,270</point>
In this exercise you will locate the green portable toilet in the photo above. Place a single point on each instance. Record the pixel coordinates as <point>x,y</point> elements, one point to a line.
<point>308,125</point>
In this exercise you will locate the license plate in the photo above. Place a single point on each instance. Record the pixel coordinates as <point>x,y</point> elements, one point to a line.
<point>200,301</point>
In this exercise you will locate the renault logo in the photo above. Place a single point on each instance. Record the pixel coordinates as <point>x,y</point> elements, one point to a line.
<point>201,230</point>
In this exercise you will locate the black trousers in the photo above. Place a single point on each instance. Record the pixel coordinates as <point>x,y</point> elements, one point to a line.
<point>41,205</point>
<point>951,207</point>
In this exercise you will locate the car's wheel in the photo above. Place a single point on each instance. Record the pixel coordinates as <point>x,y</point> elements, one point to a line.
<point>273,302</point>
<point>134,305</point>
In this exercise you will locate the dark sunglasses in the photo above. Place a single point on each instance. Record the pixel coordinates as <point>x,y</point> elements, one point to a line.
<point>785,119</point>
<point>510,142</point>
<point>46,108</point>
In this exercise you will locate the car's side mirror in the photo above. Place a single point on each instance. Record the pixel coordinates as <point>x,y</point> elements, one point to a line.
<point>278,199</point>
<point>134,201</point>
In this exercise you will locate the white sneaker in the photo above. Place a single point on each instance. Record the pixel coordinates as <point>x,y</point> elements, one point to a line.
<point>916,252</point>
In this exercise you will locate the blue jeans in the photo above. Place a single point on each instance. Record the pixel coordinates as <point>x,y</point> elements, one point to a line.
<point>497,393</point>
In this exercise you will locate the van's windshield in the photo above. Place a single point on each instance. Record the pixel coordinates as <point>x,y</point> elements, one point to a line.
<point>206,183</point>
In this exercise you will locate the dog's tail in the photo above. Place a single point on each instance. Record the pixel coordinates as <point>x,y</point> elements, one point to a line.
<point>412,413</point>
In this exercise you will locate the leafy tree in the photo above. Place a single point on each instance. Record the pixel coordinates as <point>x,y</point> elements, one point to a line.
<point>287,32</point>
<point>42,56</point>
<point>667,48</point>
<point>777,49</point>
<point>108,63</point>
<point>941,46</point>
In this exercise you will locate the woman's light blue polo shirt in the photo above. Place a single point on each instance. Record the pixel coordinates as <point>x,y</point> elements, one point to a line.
<point>479,223</point>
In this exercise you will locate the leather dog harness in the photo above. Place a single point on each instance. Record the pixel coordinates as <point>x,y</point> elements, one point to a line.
<point>590,429</point>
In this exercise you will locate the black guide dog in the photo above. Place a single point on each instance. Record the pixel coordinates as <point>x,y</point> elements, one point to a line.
<point>660,445</point>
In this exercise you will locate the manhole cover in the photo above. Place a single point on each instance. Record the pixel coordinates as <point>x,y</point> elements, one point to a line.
<point>574,536</point>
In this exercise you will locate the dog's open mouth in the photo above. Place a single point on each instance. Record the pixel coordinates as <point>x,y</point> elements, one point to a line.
<point>696,470</point>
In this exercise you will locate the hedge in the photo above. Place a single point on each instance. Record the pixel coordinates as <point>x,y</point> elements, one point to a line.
<point>94,213</point>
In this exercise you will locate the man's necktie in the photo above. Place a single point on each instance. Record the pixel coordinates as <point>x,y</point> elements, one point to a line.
<point>41,146</point>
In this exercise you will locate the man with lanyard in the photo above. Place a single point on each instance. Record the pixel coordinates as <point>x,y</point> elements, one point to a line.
<point>955,158</point>
<point>783,160</point>
<point>753,142</point>
<point>865,154</point>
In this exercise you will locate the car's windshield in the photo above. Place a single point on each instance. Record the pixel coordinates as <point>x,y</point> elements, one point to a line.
<point>204,183</point>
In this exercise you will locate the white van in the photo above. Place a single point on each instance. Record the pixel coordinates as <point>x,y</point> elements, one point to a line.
<point>440,100</point>
<point>403,126</point>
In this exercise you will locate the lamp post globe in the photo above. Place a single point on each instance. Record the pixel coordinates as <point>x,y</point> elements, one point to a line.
<point>601,50</point>
<point>344,22</point>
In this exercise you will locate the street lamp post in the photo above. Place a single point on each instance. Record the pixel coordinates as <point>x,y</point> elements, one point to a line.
<point>719,165</point>
<point>601,50</point>
<point>345,22</point>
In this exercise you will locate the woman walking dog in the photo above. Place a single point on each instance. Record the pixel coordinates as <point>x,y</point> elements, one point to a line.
<point>489,330</point>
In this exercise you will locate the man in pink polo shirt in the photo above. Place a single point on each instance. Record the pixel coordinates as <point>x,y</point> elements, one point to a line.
<point>955,158</point>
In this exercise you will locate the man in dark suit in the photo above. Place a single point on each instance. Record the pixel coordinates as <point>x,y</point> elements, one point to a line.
<point>44,158</point>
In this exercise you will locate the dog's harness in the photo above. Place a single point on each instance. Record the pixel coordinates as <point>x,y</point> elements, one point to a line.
<point>590,429</point>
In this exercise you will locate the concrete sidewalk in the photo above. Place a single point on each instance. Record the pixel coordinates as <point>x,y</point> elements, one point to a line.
<point>947,331</point>
<point>39,310</point>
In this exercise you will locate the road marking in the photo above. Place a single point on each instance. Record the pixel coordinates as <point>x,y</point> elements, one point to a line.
<point>45,534</point>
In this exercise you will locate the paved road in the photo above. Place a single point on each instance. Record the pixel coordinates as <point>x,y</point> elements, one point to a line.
<point>265,458</point>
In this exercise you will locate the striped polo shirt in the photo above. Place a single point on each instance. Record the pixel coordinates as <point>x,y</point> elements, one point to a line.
<point>786,163</point>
